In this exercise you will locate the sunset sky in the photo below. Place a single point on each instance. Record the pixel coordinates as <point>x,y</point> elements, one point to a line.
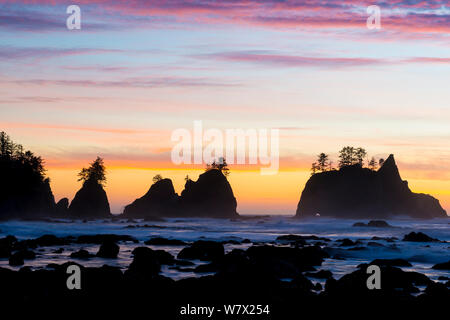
<point>138,70</point>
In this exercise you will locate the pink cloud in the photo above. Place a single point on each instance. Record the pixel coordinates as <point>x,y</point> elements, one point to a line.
<point>277,59</point>
<point>397,16</point>
<point>137,82</point>
<point>295,61</point>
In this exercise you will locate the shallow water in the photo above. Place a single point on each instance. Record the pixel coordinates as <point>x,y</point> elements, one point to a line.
<point>265,229</point>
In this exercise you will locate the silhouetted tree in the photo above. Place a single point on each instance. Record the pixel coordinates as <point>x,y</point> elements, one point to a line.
<point>350,156</point>
<point>221,165</point>
<point>346,156</point>
<point>95,173</point>
<point>15,156</point>
<point>372,164</point>
<point>322,162</point>
<point>187,178</point>
<point>6,146</point>
<point>314,168</point>
<point>330,166</point>
<point>360,154</point>
<point>157,178</point>
<point>25,187</point>
<point>380,162</point>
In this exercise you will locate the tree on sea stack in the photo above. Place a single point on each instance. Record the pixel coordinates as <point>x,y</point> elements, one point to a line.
<point>25,190</point>
<point>95,173</point>
<point>157,178</point>
<point>322,162</point>
<point>373,164</point>
<point>349,156</point>
<point>221,165</point>
<point>91,200</point>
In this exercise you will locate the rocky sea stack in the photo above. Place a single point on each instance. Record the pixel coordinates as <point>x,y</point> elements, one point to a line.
<point>159,201</point>
<point>356,192</point>
<point>90,201</point>
<point>210,196</point>
<point>25,192</point>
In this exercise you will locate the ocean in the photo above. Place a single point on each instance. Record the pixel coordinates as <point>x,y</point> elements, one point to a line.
<point>259,230</point>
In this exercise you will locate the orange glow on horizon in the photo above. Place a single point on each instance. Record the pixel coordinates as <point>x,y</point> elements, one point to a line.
<point>255,193</point>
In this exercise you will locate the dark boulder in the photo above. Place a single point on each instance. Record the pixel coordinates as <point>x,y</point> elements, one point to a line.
<point>158,241</point>
<point>395,283</point>
<point>359,224</point>
<point>145,263</point>
<point>233,262</point>
<point>300,282</point>
<point>90,201</point>
<point>108,249</point>
<point>292,238</point>
<point>81,254</point>
<point>48,240</point>
<point>5,251</point>
<point>300,238</point>
<point>202,250</point>
<point>347,243</point>
<point>374,224</point>
<point>437,293</point>
<point>356,192</point>
<point>17,258</point>
<point>442,266</point>
<point>100,238</point>
<point>419,237</point>
<point>7,244</point>
<point>284,261</point>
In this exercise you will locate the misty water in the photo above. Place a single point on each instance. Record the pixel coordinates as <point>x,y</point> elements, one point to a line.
<point>259,230</point>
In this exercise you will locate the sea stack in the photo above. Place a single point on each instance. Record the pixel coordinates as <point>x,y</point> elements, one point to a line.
<point>210,196</point>
<point>90,201</point>
<point>356,192</point>
<point>159,201</point>
<point>25,192</point>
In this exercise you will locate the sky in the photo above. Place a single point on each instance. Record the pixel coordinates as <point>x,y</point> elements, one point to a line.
<point>137,71</point>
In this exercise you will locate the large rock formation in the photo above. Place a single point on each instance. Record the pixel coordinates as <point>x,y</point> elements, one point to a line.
<point>90,201</point>
<point>159,201</point>
<point>210,196</point>
<point>355,192</point>
<point>23,197</point>
<point>24,190</point>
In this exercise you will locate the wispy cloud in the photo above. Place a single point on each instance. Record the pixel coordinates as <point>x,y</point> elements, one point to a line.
<point>44,126</point>
<point>285,60</point>
<point>137,82</point>
<point>8,52</point>
<point>292,60</point>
